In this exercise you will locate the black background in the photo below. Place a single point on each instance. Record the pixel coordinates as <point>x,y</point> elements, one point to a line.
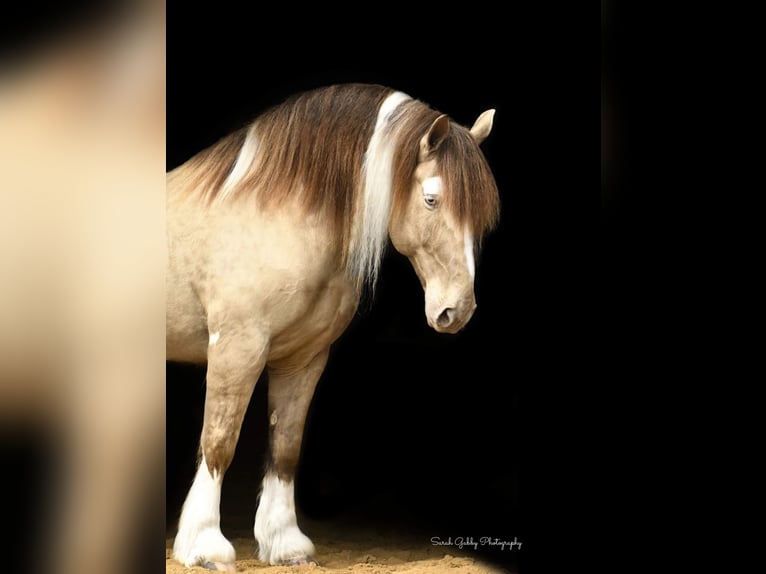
<point>589,336</point>
<point>463,435</point>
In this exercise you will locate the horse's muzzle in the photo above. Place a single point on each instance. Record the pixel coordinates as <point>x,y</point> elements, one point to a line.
<point>450,319</point>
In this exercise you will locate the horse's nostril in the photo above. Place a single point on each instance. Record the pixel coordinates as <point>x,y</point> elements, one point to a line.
<point>445,317</point>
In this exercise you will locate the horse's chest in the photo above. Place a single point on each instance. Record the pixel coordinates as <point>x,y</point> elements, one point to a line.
<point>310,320</point>
<point>271,278</point>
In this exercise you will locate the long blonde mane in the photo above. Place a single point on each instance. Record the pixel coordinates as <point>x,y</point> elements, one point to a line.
<point>347,153</point>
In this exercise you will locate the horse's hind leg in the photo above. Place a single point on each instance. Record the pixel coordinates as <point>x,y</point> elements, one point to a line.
<point>279,539</point>
<point>234,365</point>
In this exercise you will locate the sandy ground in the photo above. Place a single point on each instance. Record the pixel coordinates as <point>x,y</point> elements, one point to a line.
<point>364,550</point>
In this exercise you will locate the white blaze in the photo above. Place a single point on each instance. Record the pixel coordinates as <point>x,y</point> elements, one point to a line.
<point>468,247</point>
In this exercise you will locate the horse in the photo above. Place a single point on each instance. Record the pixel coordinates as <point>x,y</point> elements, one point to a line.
<point>275,233</point>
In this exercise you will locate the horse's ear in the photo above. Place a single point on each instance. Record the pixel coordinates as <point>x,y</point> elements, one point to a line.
<point>434,136</point>
<point>482,126</point>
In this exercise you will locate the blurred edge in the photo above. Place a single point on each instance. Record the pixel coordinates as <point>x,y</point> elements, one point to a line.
<point>82,163</point>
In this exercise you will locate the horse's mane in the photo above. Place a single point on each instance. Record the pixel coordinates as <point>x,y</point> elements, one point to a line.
<point>315,148</point>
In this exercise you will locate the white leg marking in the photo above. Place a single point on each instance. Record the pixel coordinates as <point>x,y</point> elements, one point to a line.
<point>199,539</point>
<point>214,338</point>
<point>468,247</point>
<point>276,526</point>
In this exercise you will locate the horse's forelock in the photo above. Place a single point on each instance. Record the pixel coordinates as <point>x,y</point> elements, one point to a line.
<point>471,193</point>
<point>470,190</point>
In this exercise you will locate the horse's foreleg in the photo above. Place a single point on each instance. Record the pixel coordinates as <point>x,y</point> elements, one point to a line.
<point>234,366</point>
<point>279,539</point>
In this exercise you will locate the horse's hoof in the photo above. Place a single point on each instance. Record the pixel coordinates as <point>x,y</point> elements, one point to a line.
<point>220,566</point>
<point>299,561</point>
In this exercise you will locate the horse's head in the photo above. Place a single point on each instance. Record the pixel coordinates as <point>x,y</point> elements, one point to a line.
<point>451,201</point>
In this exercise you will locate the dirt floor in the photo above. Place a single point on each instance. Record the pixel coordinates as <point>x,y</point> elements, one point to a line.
<point>343,548</point>
<point>374,489</point>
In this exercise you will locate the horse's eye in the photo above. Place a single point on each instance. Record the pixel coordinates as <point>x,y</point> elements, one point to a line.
<point>430,200</point>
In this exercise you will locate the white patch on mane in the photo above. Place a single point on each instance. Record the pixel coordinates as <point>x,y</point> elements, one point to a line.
<point>214,338</point>
<point>199,539</point>
<point>468,247</point>
<point>245,159</point>
<point>432,185</point>
<point>276,525</point>
<point>371,232</point>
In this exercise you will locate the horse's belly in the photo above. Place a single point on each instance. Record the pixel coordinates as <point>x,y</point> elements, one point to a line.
<point>186,348</point>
